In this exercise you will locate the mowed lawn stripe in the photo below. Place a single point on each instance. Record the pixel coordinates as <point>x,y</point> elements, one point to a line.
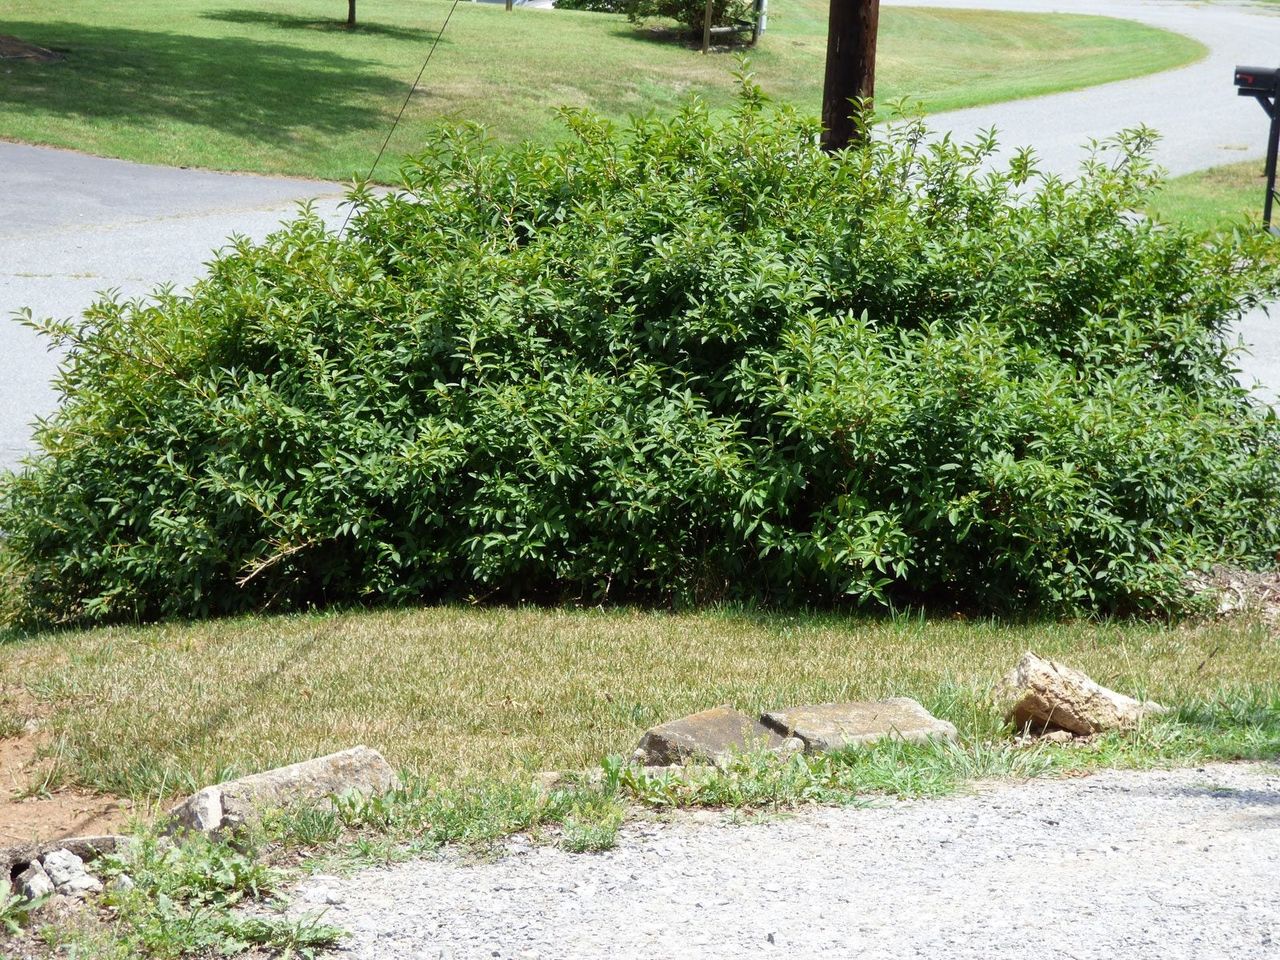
<point>460,694</point>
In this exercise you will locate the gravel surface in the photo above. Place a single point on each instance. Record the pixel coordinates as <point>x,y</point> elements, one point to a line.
<point>1179,864</point>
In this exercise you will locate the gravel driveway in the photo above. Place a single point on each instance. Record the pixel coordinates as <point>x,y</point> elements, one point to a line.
<point>1165,865</point>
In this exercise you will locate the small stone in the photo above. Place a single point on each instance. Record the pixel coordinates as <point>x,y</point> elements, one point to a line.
<point>34,882</point>
<point>710,736</point>
<point>62,866</point>
<point>1040,694</point>
<point>834,726</point>
<point>81,886</point>
<point>321,894</point>
<point>67,873</point>
<point>1057,736</point>
<point>122,883</point>
<point>201,812</point>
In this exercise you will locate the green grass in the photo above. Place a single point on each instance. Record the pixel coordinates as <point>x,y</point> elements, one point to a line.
<point>470,701</point>
<point>279,86</point>
<point>460,695</point>
<point>1214,199</point>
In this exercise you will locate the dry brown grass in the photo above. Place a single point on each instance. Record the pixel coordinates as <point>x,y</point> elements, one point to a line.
<point>461,693</point>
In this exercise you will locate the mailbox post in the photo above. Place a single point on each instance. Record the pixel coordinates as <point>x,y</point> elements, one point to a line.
<point>1263,84</point>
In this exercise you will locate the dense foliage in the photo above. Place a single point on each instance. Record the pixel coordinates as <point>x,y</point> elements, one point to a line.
<point>691,13</point>
<point>695,359</point>
<point>596,6</point>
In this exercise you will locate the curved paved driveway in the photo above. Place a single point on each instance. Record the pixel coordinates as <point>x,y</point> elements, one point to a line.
<point>1201,119</point>
<point>71,225</point>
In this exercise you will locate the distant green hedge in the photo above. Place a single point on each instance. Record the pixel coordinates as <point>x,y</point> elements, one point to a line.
<point>689,361</point>
<point>689,13</point>
<point>597,6</point>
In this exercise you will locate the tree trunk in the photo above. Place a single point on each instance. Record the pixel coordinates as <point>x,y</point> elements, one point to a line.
<point>851,69</point>
<point>351,13</point>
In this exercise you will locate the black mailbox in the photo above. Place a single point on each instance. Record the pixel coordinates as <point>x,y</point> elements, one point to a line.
<point>1255,81</point>
<point>1263,84</point>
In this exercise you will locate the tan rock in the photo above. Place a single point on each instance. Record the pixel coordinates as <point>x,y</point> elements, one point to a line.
<point>834,726</point>
<point>230,804</point>
<point>1039,694</point>
<point>710,736</point>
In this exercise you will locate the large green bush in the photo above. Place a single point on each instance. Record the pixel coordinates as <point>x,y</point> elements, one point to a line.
<point>693,360</point>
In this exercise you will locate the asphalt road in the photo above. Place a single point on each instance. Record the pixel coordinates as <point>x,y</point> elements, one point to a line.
<point>1202,120</point>
<point>71,225</point>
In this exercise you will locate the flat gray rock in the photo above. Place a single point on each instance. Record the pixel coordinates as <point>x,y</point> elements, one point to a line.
<point>835,726</point>
<point>706,737</point>
<point>235,802</point>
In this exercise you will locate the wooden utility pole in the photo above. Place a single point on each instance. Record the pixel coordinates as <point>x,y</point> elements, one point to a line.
<point>851,68</point>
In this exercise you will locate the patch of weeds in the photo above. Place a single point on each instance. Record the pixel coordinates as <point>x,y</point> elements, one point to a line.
<point>767,781</point>
<point>48,778</point>
<point>468,815</point>
<point>304,827</point>
<point>592,823</point>
<point>11,724</point>
<point>1241,725</point>
<point>15,910</point>
<point>184,897</point>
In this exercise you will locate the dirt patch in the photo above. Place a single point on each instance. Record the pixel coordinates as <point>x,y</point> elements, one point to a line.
<point>32,807</point>
<point>11,48</point>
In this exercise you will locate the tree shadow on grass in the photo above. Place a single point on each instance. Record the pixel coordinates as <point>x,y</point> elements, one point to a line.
<point>288,21</point>
<point>723,40</point>
<point>274,93</point>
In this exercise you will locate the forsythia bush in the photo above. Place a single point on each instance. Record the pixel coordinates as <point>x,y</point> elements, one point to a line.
<point>695,359</point>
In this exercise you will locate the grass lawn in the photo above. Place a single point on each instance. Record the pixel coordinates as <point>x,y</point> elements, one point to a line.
<point>279,86</point>
<point>1213,199</point>
<point>470,701</point>
<point>462,695</point>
